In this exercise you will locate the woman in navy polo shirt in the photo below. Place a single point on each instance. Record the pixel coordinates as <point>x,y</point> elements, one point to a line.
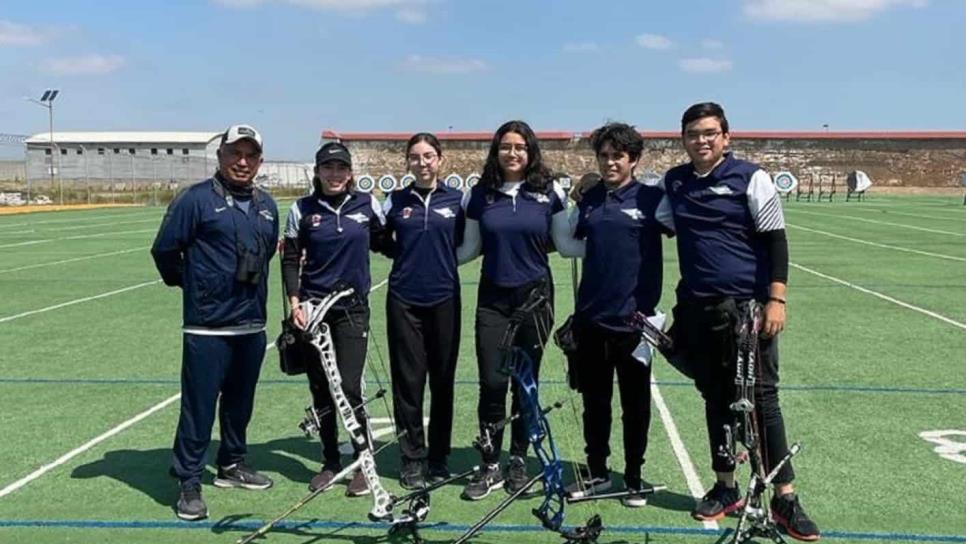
<point>423,309</point>
<point>509,219</point>
<point>327,240</point>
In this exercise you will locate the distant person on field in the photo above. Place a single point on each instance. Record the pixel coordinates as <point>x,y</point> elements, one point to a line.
<point>215,243</point>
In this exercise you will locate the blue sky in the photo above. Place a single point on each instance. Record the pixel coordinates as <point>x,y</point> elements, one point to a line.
<point>295,67</point>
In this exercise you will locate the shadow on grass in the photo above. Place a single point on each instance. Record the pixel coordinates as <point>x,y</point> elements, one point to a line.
<point>147,470</point>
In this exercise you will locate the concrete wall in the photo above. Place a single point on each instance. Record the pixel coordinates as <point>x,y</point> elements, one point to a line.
<point>894,162</point>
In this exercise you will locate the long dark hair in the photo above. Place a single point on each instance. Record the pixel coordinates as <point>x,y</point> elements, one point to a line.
<point>537,174</point>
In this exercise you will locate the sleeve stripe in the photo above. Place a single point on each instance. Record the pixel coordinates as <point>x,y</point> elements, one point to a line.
<point>770,217</point>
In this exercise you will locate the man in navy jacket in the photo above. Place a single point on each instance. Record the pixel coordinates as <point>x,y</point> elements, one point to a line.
<point>215,243</point>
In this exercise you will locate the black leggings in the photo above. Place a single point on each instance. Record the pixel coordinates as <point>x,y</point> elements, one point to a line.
<point>424,341</point>
<point>601,352</point>
<point>705,330</point>
<point>494,309</point>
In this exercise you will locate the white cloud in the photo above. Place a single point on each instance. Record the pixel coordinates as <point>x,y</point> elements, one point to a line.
<point>712,44</point>
<point>439,65</point>
<point>653,41</point>
<point>810,11</point>
<point>577,47</point>
<point>83,66</point>
<point>23,35</point>
<point>705,65</point>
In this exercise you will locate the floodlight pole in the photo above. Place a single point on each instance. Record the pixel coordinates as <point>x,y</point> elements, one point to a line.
<point>47,101</point>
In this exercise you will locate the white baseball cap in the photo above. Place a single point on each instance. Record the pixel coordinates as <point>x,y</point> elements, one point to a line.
<point>241,132</point>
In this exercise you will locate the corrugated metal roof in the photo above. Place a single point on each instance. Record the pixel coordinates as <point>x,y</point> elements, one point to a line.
<point>125,137</point>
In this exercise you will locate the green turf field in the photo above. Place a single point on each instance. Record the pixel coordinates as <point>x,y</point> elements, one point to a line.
<point>873,356</point>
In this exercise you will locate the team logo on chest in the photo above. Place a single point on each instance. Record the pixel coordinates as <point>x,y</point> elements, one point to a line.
<point>445,212</point>
<point>267,215</point>
<point>539,197</point>
<point>360,218</point>
<point>407,212</point>
<point>634,213</point>
<point>315,220</point>
<point>721,190</point>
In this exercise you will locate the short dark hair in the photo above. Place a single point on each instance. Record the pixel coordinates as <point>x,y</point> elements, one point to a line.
<point>621,136</point>
<point>537,174</point>
<point>426,137</point>
<point>702,110</point>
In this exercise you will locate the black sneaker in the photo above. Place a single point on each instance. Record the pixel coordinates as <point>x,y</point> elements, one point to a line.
<point>589,484</point>
<point>241,475</point>
<point>790,516</point>
<point>485,480</point>
<point>412,476</point>
<point>717,503</point>
<point>438,471</point>
<point>191,507</point>
<point>516,474</point>
<point>325,476</point>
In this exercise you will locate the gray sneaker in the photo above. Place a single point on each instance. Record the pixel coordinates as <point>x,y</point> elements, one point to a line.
<point>191,507</point>
<point>485,480</point>
<point>241,475</point>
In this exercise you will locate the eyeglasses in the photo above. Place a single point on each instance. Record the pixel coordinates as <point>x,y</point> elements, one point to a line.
<point>425,157</point>
<point>707,136</point>
<point>506,149</point>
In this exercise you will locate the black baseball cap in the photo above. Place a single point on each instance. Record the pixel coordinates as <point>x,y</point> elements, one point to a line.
<point>333,151</point>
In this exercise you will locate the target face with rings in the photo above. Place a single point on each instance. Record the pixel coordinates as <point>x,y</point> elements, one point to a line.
<point>387,183</point>
<point>785,182</point>
<point>453,181</point>
<point>406,180</point>
<point>365,183</point>
<point>471,180</point>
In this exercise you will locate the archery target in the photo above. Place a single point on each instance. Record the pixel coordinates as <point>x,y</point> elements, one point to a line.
<point>387,183</point>
<point>785,182</point>
<point>858,181</point>
<point>406,180</point>
<point>474,178</point>
<point>365,183</point>
<point>454,181</point>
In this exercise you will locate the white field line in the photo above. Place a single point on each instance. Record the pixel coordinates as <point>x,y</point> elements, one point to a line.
<point>876,222</point>
<point>74,260</point>
<point>114,431</point>
<point>680,452</point>
<point>83,219</point>
<point>78,301</point>
<point>95,225</point>
<point>84,447</point>
<point>887,298</point>
<point>876,244</point>
<point>78,237</point>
